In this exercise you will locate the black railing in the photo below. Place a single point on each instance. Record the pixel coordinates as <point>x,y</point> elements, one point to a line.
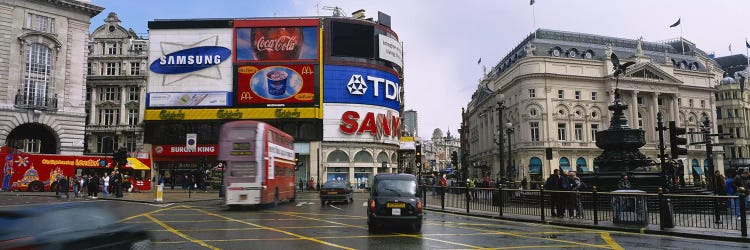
<point>596,208</point>
<point>36,101</point>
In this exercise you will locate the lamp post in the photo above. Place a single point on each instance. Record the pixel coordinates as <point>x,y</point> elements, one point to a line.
<point>509,131</point>
<point>499,140</point>
<point>706,122</point>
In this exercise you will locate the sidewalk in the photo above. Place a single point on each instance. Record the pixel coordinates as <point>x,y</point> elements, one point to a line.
<point>170,196</point>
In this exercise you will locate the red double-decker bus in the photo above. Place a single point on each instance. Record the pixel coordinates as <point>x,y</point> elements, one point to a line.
<point>39,172</point>
<point>258,163</point>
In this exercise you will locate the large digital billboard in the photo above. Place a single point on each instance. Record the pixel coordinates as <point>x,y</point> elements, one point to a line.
<point>360,123</point>
<point>292,85</point>
<point>190,60</point>
<point>358,85</point>
<point>276,40</point>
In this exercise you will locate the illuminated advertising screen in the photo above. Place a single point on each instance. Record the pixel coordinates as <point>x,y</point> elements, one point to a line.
<point>190,60</point>
<point>276,85</point>
<point>358,85</point>
<point>276,40</point>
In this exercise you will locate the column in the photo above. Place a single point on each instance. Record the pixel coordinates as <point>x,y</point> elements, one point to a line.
<point>675,112</point>
<point>653,109</point>
<point>142,104</point>
<point>123,112</point>
<point>634,109</point>
<point>92,109</point>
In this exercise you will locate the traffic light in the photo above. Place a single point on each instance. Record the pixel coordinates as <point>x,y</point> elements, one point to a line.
<point>297,162</point>
<point>454,159</point>
<point>418,153</point>
<point>675,142</point>
<point>120,157</point>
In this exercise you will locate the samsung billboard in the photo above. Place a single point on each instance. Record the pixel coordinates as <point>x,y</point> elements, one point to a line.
<point>359,85</point>
<point>190,61</point>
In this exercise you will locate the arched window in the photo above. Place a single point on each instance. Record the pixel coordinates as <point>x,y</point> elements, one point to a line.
<point>338,156</point>
<point>697,167</point>
<point>565,164</point>
<point>363,157</point>
<point>382,157</point>
<point>581,165</point>
<point>37,74</point>
<point>535,165</point>
<point>105,144</point>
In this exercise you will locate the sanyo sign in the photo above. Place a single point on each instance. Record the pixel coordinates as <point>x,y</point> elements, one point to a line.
<point>348,84</point>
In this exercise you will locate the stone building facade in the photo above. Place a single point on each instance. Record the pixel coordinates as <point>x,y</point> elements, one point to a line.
<point>115,88</point>
<point>733,112</point>
<point>557,87</point>
<point>43,74</point>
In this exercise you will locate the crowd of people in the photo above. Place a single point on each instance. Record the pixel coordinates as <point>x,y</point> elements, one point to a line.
<point>88,185</point>
<point>733,186</point>
<point>565,202</point>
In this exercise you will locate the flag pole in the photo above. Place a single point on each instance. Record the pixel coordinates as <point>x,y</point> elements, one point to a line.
<point>682,42</point>
<point>748,64</point>
<point>533,18</point>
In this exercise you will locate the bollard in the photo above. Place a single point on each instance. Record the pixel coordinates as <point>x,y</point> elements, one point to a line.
<point>661,209</point>
<point>541,199</point>
<point>467,197</point>
<point>442,198</point>
<point>500,201</point>
<point>160,193</point>
<point>743,212</point>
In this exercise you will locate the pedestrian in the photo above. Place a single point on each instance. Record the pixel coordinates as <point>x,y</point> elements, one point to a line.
<point>117,183</point>
<point>443,184</point>
<point>63,186</point>
<point>311,184</point>
<point>105,184</point>
<point>720,182</point>
<point>472,188</point>
<point>76,185</point>
<point>565,187</point>
<point>524,183</point>
<point>734,205</point>
<point>739,182</point>
<point>86,181</point>
<point>552,183</point>
<point>624,182</point>
<point>574,198</point>
<point>185,184</point>
<point>301,184</point>
<point>95,186</point>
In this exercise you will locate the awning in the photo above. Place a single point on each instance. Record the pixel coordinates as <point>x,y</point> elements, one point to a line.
<point>698,169</point>
<point>535,166</point>
<point>136,164</point>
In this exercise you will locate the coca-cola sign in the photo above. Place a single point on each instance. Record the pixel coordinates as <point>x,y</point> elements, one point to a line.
<point>277,43</point>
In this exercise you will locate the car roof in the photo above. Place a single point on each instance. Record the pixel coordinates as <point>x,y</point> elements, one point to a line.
<point>392,176</point>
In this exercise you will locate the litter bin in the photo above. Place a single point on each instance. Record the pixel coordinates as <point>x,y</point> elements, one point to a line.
<point>667,214</point>
<point>629,207</point>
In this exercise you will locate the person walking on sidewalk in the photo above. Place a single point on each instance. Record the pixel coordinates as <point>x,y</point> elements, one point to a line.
<point>105,181</point>
<point>94,184</point>
<point>62,186</point>
<point>552,183</point>
<point>117,183</point>
<point>76,185</point>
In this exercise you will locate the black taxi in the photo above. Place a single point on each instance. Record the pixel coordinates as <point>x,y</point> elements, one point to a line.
<point>393,200</point>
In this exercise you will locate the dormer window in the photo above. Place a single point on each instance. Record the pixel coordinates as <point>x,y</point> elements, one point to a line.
<point>556,52</point>
<point>588,54</point>
<point>573,53</point>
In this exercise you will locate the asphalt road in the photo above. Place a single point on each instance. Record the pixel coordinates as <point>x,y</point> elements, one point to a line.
<point>306,224</point>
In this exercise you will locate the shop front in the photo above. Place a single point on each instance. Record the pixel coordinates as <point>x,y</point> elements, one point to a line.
<point>181,166</point>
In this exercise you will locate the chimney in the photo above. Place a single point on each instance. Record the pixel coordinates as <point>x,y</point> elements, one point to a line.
<point>360,14</point>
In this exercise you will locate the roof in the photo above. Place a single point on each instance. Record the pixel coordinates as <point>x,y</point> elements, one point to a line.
<point>733,63</point>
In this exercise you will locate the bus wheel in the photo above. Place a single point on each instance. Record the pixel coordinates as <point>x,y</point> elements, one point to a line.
<point>276,197</point>
<point>36,186</point>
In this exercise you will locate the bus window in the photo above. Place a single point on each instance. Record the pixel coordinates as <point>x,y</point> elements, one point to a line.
<point>241,134</point>
<point>244,169</point>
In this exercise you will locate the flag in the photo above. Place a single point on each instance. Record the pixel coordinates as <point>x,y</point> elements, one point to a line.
<point>531,2</point>
<point>730,48</point>
<point>480,61</point>
<point>676,23</point>
<point>747,44</point>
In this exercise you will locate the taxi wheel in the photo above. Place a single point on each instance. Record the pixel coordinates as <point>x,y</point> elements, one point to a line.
<point>371,227</point>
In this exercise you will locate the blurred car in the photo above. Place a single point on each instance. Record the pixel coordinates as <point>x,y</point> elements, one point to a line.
<point>68,226</point>
<point>336,191</point>
<point>394,201</point>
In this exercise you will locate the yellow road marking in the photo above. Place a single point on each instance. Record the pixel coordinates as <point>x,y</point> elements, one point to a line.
<point>139,215</point>
<point>274,229</point>
<point>537,247</point>
<point>611,242</point>
<point>178,233</point>
<point>405,235</point>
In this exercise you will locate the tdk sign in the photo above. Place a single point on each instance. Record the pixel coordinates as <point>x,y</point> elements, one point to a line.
<point>190,60</point>
<point>347,84</point>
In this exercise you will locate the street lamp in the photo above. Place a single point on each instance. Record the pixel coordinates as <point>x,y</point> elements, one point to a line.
<point>500,98</point>
<point>509,131</point>
<point>709,168</point>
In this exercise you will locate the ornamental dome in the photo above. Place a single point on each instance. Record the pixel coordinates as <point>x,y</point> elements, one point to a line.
<point>727,80</point>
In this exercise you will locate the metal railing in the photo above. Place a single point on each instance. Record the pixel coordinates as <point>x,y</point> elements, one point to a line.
<point>717,212</point>
<point>41,102</point>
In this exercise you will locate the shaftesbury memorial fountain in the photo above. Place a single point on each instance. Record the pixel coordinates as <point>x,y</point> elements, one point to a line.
<point>621,143</point>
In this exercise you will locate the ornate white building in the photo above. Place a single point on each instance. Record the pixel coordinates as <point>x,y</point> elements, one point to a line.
<point>43,74</point>
<point>557,87</point>
<point>116,88</point>
<point>443,146</point>
<point>733,112</point>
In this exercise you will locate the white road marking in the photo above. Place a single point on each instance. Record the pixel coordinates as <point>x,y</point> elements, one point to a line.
<point>299,204</point>
<point>161,205</point>
<point>334,207</point>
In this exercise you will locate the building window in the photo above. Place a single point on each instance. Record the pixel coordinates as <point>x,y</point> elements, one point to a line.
<point>134,94</point>
<point>690,103</point>
<point>109,94</point>
<point>692,136</point>
<point>561,131</point>
<point>135,69</point>
<point>40,23</point>
<point>679,101</point>
<point>640,120</point>
<point>703,103</point>
<point>534,131</point>
<point>138,47</point>
<point>578,132</point>
<point>718,113</point>
<point>738,132</point>
<point>105,144</point>
<point>132,117</point>
<point>734,95</point>
<point>113,69</point>
<point>737,113</point>
<point>37,74</point>
<point>29,145</point>
<point>593,96</point>
<point>560,94</point>
<point>533,112</point>
<point>594,129</point>
<point>109,116</point>
<point>578,95</point>
<point>639,99</point>
<point>89,71</point>
<point>660,102</point>
<point>532,93</point>
<point>729,113</point>
<point>112,48</point>
<point>130,143</point>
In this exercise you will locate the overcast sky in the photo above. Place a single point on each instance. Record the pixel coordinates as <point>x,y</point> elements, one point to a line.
<point>444,39</point>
